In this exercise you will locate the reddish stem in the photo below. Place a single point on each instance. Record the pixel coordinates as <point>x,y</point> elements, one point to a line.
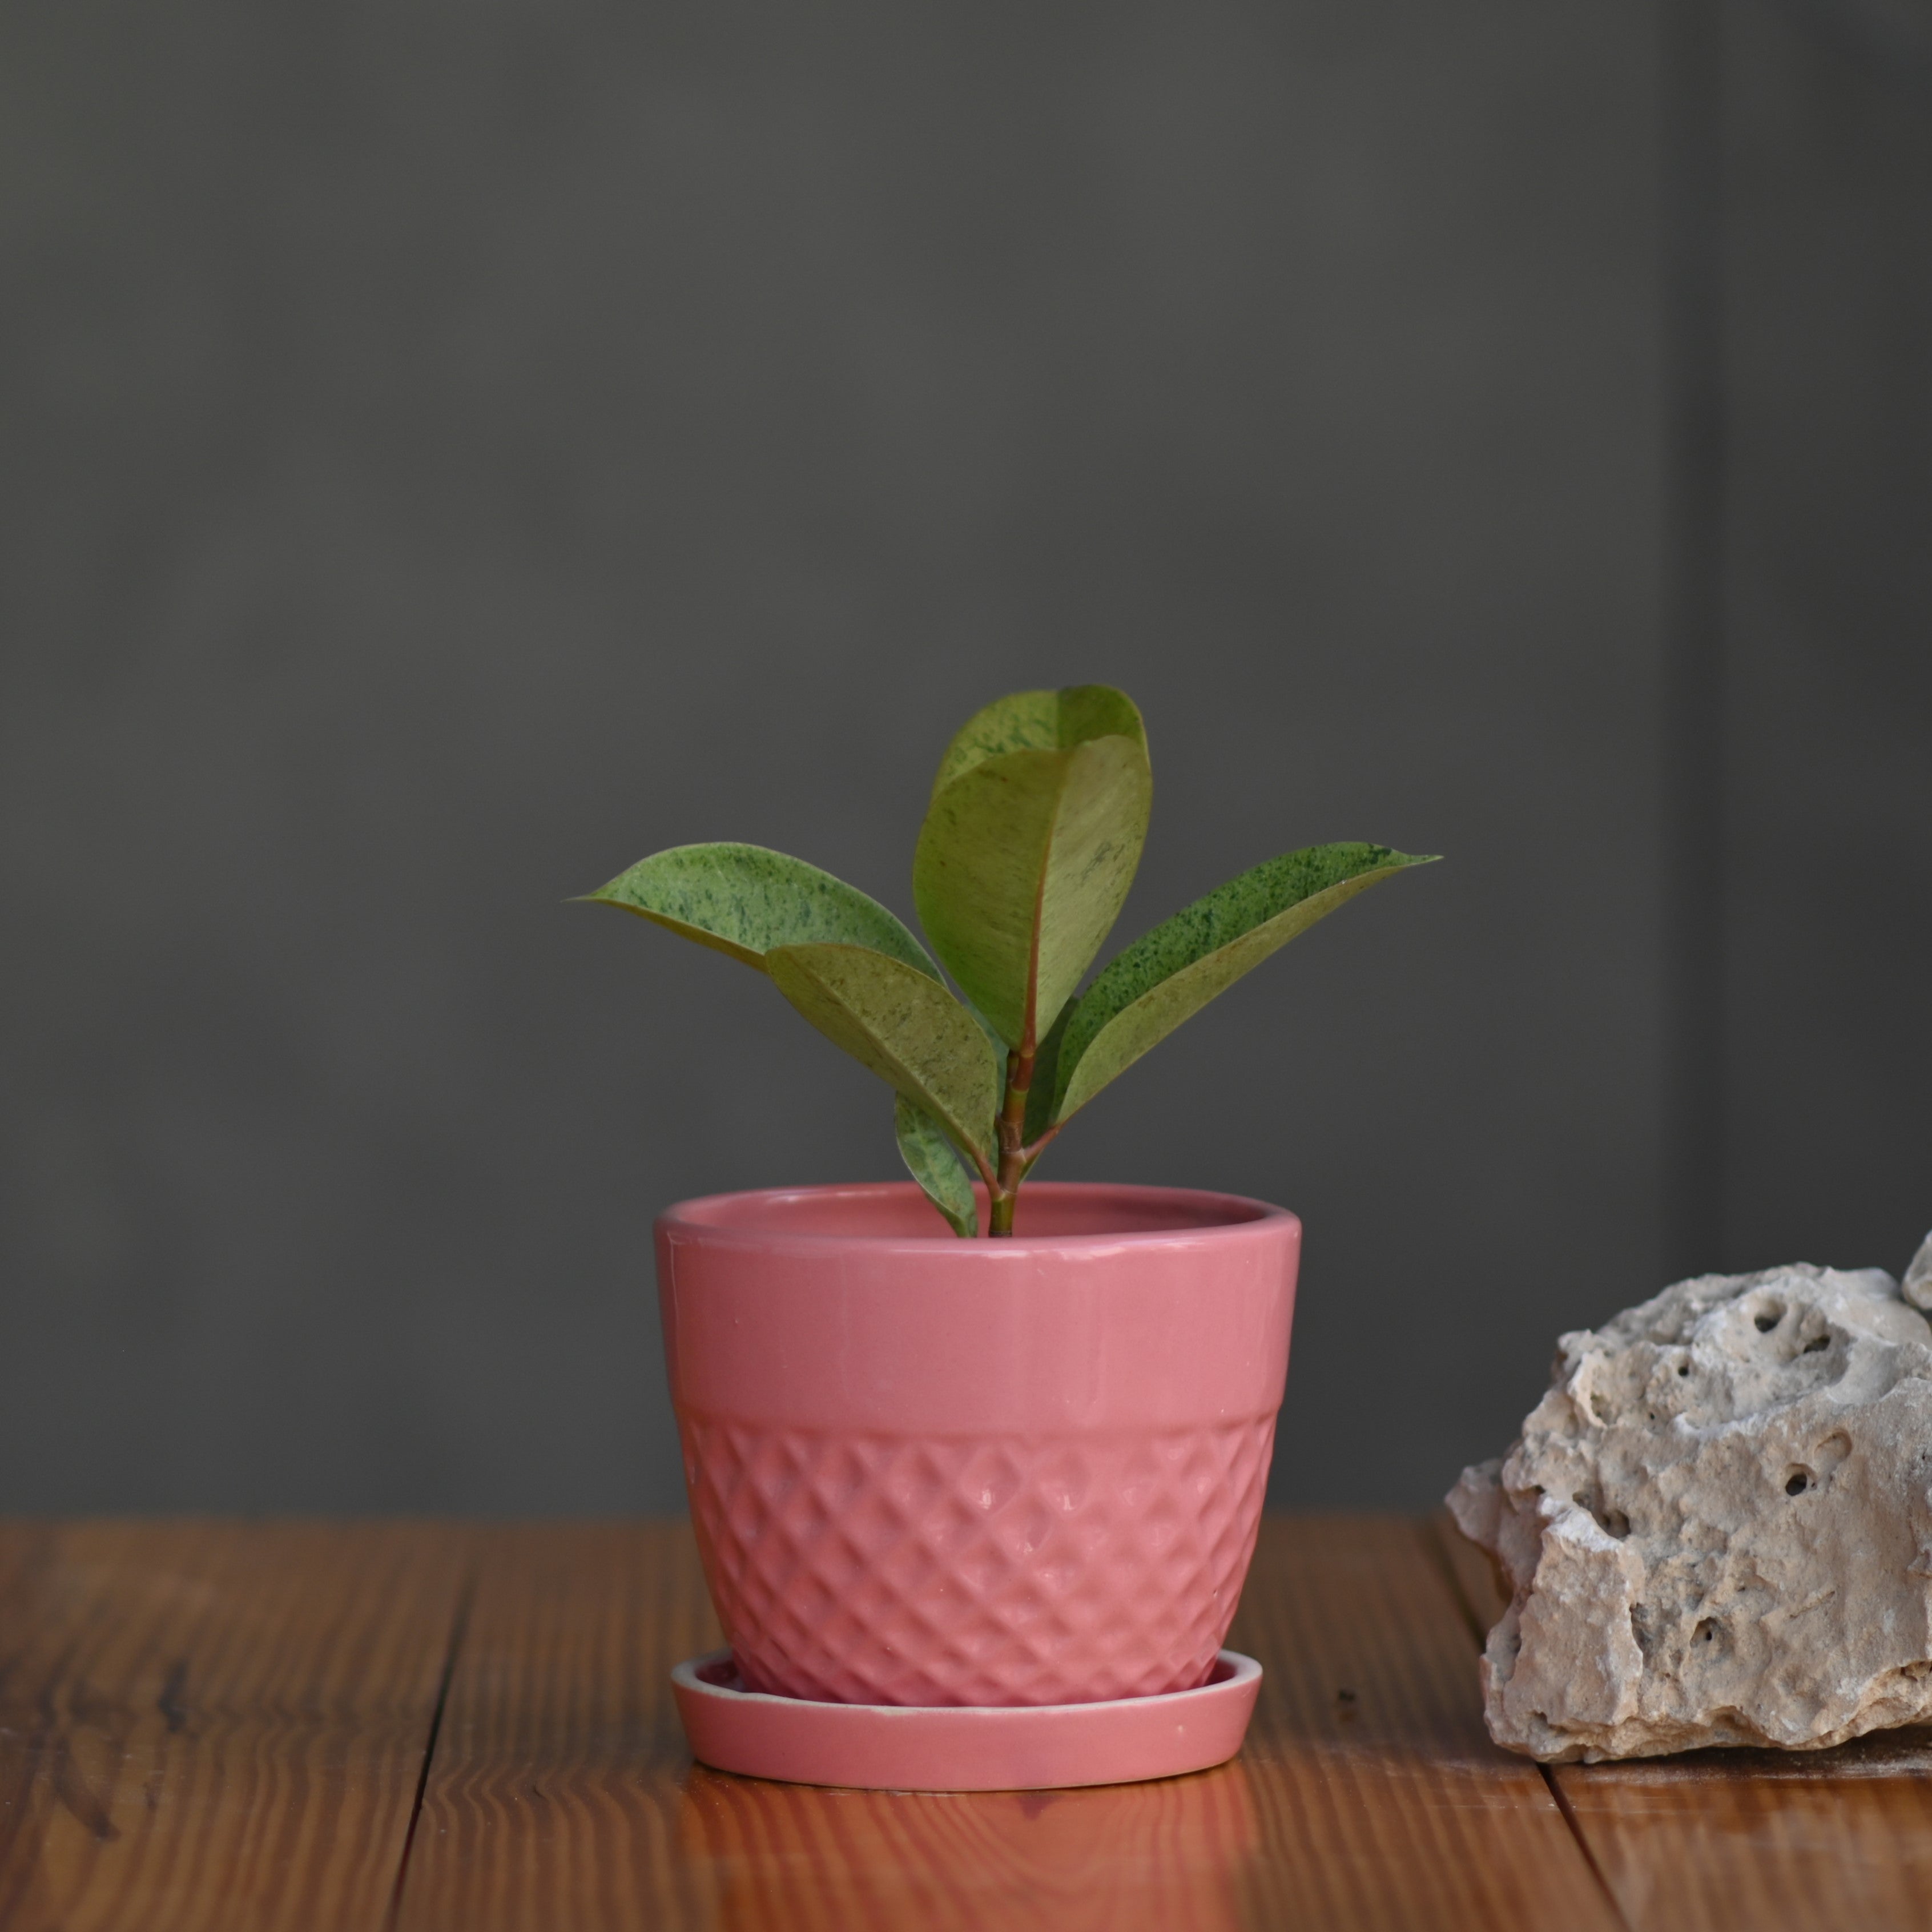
<point>1014,1155</point>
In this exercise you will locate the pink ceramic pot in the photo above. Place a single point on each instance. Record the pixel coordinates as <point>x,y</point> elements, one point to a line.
<point>926,1471</point>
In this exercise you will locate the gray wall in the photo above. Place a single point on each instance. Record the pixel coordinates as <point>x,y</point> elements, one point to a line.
<point>448,452</point>
<point>1827,293</point>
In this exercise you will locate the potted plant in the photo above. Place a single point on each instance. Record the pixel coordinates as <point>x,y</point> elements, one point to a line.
<point>1024,1470</point>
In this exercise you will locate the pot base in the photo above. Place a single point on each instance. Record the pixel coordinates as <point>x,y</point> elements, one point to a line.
<point>961,1748</point>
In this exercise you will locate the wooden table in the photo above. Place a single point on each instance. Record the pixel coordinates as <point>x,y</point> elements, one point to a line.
<point>216,1725</point>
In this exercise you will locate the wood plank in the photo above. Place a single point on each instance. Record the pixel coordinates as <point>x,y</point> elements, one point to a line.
<point>1765,1841</point>
<point>1390,1806</point>
<point>562,1795</point>
<point>206,1726</point>
<point>559,1796</point>
<point>1749,1841</point>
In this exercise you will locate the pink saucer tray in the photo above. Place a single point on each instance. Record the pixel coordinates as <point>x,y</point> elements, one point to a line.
<point>962,1747</point>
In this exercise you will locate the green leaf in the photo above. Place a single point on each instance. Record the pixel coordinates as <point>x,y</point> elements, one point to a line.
<point>1040,721</point>
<point>903,1024</point>
<point>745,900</point>
<point>1026,854</point>
<point>1172,973</point>
<point>932,1162</point>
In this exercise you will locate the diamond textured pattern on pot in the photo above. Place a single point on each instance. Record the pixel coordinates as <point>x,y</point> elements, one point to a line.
<point>894,1570</point>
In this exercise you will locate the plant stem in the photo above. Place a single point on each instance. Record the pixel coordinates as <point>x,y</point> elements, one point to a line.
<point>1004,1193</point>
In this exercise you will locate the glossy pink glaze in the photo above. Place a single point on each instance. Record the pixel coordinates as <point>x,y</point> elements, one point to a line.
<point>929,1471</point>
<point>1030,1747</point>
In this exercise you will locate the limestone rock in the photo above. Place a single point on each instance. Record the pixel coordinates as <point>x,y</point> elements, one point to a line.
<point>1918,1282</point>
<point>1717,1523</point>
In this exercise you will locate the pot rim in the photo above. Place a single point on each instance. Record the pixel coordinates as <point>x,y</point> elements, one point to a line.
<point>1233,1219</point>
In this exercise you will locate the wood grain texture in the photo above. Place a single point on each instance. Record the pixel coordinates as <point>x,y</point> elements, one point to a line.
<point>1747,1841</point>
<point>558,1794</point>
<point>1765,1841</point>
<point>1388,1806</point>
<point>205,1727</point>
<point>562,1795</point>
<point>209,1725</point>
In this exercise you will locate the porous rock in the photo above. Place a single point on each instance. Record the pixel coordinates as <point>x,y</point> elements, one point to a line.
<point>1717,1525</point>
<point>1918,1282</point>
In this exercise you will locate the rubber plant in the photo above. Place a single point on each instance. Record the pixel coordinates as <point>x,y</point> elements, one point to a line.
<point>1031,839</point>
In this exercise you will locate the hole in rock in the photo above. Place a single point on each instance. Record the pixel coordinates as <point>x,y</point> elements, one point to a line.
<point>1683,1368</point>
<point>1706,1632</point>
<point>1601,1408</point>
<point>1767,1319</point>
<point>1612,1522</point>
<point>1643,1627</point>
<point>1816,1346</point>
<point>1798,1482</point>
